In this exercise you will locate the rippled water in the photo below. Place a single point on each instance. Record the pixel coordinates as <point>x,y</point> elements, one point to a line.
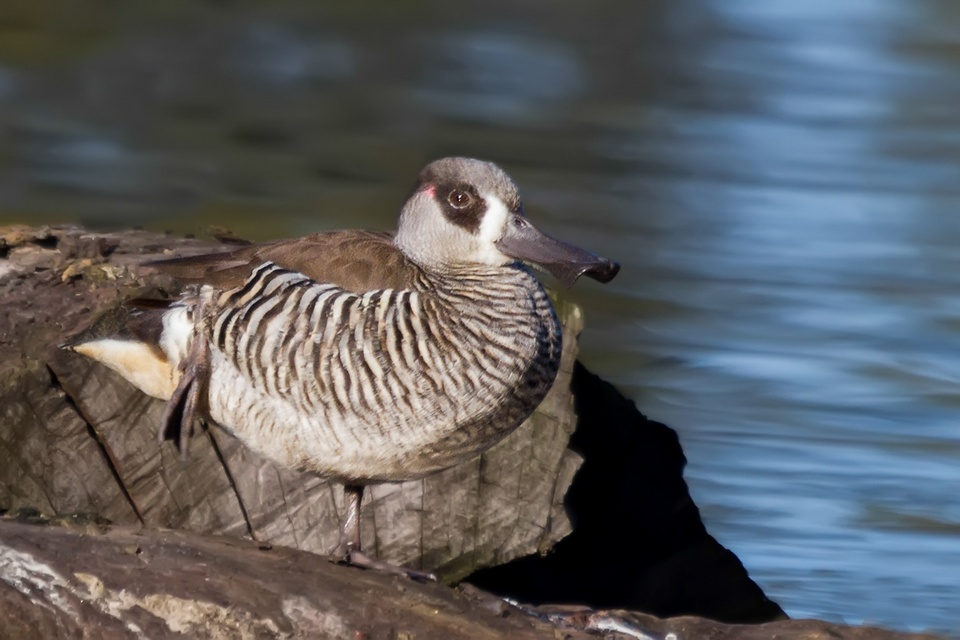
<point>781,181</point>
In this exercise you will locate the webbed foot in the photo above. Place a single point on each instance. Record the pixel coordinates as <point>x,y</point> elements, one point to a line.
<point>352,556</point>
<point>348,551</point>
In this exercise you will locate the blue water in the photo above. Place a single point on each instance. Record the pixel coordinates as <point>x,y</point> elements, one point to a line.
<point>781,181</point>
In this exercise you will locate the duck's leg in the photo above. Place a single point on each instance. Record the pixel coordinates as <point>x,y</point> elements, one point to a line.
<point>183,408</point>
<point>349,549</point>
<point>350,529</point>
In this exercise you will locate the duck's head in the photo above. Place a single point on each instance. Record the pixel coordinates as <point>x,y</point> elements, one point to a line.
<point>466,212</point>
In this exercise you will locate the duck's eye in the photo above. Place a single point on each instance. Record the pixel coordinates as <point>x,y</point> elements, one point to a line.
<point>459,199</point>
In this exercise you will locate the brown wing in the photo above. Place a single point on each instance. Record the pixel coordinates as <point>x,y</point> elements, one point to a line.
<point>357,261</point>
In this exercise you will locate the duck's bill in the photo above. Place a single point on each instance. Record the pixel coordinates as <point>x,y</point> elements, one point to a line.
<point>566,262</point>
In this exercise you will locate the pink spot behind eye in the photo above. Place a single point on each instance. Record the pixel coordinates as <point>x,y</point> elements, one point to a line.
<point>429,189</point>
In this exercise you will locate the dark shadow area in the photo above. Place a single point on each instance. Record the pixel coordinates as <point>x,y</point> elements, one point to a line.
<point>638,541</point>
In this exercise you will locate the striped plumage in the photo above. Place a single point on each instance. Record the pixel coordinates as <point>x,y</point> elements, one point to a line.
<point>363,356</point>
<point>387,385</point>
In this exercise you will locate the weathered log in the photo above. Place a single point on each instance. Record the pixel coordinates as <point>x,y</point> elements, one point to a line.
<point>80,438</point>
<point>58,582</point>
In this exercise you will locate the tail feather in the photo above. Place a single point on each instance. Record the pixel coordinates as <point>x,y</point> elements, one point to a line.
<point>131,340</point>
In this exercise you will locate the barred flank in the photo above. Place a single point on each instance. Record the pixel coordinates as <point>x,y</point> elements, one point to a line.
<point>450,365</point>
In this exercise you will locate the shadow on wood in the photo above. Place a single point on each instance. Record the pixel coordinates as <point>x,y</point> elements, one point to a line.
<point>638,541</point>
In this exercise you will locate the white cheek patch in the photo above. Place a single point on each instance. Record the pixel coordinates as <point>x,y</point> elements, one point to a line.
<point>494,221</point>
<point>492,228</point>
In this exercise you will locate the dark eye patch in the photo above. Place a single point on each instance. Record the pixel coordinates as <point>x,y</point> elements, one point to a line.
<point>462,205</point>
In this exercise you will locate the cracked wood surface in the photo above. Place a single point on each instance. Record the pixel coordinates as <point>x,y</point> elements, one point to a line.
<point>60,583</point>
<point>84,580</point>
<point>78,438</point>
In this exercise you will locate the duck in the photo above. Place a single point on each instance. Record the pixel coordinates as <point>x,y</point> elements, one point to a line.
<point>363,357</point>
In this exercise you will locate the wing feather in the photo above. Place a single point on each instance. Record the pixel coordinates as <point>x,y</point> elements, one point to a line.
<point>358,261</point>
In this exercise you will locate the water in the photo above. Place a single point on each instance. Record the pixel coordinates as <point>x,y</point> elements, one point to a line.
<point>780,180</point>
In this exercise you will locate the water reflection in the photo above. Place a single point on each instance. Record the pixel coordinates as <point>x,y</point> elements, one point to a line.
<point>272,54</point>
<point>780,180</point>
<point>497,79</point>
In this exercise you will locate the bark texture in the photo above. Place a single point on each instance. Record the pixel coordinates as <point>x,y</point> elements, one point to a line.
<point>92,583</point>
